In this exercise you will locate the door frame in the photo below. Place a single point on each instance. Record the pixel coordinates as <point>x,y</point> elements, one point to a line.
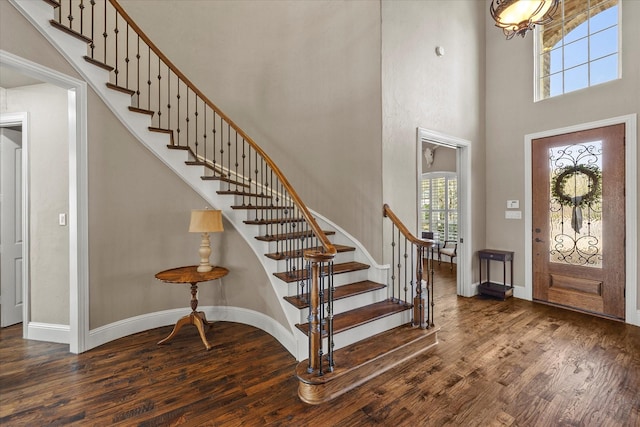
<point>21,119</point>
<point>463,167</point>
<point>632,314</point>
<point>78,221</point>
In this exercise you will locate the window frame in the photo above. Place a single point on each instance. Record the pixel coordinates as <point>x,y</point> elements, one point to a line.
<point>537,55</point>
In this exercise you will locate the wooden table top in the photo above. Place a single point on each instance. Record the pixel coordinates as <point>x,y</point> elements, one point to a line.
<point>190,274</point>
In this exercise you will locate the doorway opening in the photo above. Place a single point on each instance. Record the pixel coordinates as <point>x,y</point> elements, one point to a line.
<point>444,159</point>
<point>76,332</point>
<point>12,207</point>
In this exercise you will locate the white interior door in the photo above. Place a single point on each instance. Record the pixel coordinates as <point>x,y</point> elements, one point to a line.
<point>11,280</point>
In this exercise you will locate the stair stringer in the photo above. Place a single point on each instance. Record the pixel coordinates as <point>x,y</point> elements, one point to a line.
<point>39,13</point>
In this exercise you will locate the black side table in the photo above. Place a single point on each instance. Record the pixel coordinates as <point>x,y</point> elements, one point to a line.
<point>490,288</point>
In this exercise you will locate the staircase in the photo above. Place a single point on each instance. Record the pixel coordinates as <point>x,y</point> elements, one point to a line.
<point>345,317</point>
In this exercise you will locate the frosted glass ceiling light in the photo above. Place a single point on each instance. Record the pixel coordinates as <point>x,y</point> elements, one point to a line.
<point>520,16</point>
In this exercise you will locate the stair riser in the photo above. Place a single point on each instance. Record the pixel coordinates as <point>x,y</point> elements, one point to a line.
<point>281,265</point>
<point>338,280</point>
<point>252,214</point>
<point>350,303</point>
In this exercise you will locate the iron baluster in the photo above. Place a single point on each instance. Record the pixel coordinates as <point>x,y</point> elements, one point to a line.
<point>393,260</point>
<point>204,132</point>
<point>178,119</point>
<point>405,270</point>
<point>104,34</point>
<point>186,120</point>
<point>92,45</point>
<point>159,94</point>
<point>116,31</point>
<point>81,7</point>
<point>214,143</point>
<point>70,16</point>
<point>138,78</point>
<point>229,155</point>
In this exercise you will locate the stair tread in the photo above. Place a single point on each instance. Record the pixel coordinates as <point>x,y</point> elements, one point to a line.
<point>69,31</point>
<point>344,267</point>
<point>142,111</point>
<point>298,253</point>
<point>98,63</point>
<point>359,362</point>
<point>121,89</point>
<point>259,207</point>
<point>360,316</point>
<point>243,193</point>
<point>272,221</point>
<point>224,179</point>
<point>288,236</point>
<point>340,292</point>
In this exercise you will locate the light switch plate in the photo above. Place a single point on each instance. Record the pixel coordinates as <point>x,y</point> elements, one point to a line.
<point>513,204</point>
<point>513,214</point>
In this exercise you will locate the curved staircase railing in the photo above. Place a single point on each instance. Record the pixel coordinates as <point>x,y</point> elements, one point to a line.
<point>194,123</point>
<point>411,258</point>
<point>244,171</point>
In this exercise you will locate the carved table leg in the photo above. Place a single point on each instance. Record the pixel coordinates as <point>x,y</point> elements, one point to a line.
<point>196,318</point>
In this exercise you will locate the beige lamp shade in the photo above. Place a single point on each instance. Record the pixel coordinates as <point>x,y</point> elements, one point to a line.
<point>205,221</point>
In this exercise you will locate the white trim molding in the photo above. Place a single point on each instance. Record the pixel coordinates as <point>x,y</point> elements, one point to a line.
<point>144,322</point>
<point>632,311</point>
<point>49,332</point>
<point>78,198</point>
<point>463,169</point>
<point>22,119</point>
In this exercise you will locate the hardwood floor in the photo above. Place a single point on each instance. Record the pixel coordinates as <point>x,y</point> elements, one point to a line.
<point>498,363</point>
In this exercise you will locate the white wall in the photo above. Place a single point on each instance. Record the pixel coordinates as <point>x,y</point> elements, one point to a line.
<point>49,196</point>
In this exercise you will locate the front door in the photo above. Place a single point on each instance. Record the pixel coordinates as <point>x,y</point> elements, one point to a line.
<point>11,281</point>
<point>579,220</point>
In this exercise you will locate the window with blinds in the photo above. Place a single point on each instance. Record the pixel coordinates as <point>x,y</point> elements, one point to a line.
<point>439,205</point>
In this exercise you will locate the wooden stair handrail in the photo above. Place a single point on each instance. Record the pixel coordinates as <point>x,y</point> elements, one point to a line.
<point>387,212</point>
<point>324,241</point>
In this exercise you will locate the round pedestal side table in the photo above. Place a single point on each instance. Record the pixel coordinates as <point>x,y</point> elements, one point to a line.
<point>184,275</point>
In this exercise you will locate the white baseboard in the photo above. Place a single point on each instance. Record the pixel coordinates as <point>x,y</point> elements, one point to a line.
<point>136,324</point>
<point>50,332</point>
<point>635,321</point>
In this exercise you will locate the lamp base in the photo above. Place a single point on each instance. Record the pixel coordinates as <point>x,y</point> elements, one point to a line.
<point>204,268</point>
<point>204,252</point>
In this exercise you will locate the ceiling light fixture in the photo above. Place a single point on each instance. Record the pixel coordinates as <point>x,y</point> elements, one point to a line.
<point>516,17</point>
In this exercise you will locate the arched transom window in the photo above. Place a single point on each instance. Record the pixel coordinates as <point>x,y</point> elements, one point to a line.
<point>579,48</point>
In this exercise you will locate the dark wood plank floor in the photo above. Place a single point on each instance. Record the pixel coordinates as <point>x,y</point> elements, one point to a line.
<point>498,363</point>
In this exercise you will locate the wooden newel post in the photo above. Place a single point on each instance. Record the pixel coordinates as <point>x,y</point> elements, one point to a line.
<point>315,337</point>
<point>419,304</point>
<point>315,324</point>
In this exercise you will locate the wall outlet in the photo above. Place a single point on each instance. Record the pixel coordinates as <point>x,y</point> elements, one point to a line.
<point>513,214</point>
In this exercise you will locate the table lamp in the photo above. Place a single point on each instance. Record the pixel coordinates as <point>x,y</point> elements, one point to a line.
<point>205,221</point>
